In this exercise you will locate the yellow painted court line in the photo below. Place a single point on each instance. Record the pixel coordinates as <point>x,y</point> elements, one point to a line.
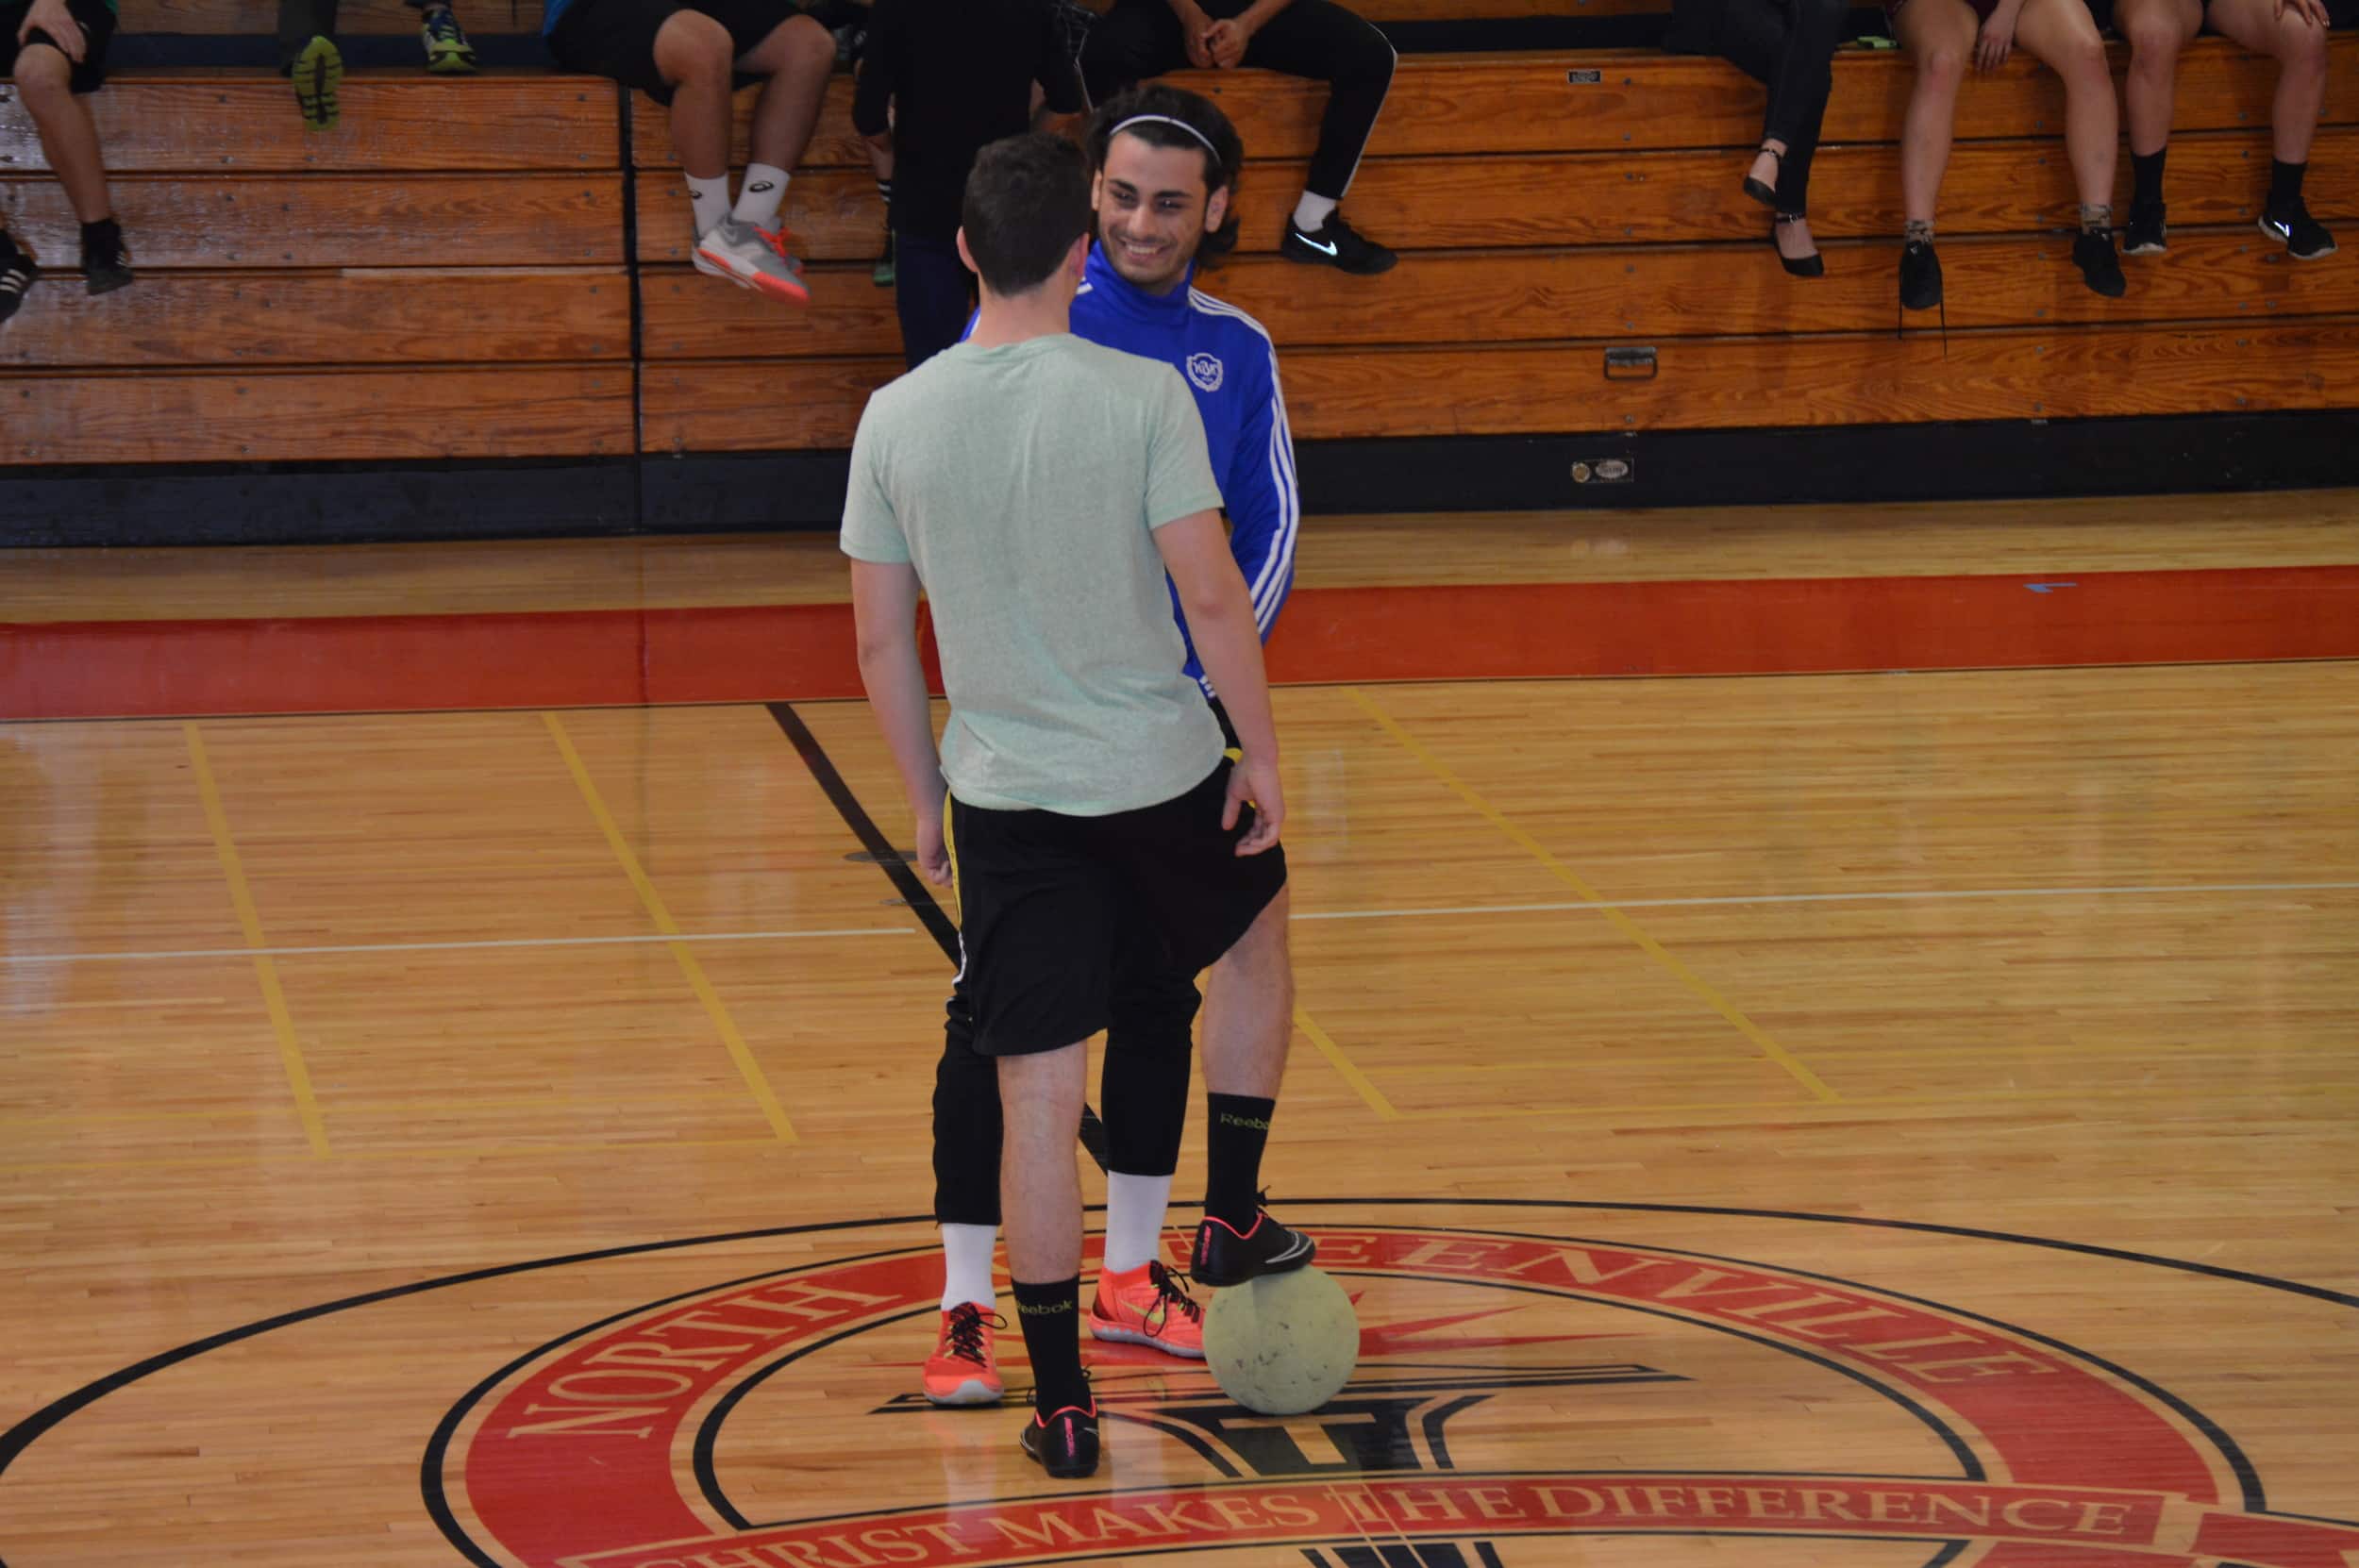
<point>1345,1067</point>
<point>617,1101</point>
<point>430,1151</point>
<point>250,922</point>
<point>682,955</point>
<point>1702,987</point>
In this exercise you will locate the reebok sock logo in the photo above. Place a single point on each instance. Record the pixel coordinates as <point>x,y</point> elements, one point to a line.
<point>1050,1309</point>
<point>1230,1119</point>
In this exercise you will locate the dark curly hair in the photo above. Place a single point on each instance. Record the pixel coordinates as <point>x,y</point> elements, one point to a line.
<point>1224,164</point>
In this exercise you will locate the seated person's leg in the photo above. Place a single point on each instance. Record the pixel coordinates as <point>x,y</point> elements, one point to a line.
<point>1939,35</point>
<point>2062,35</point>
<point>2297,38</point>
<point>1136,40</point>
<point>1323,41</point>
<point>54,86</point>
<point>2156,30</point>
<point>797,56</point>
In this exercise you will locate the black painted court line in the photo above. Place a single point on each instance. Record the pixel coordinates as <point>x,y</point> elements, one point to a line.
<point>905,880</point>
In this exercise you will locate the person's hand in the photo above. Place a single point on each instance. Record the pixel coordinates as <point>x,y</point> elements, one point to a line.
<point>1254,782</point>
<point>51,17</point>
<point>933,850</point>
<point>2312,11</point>
<point>1998,38</point>
<point>1193,27</point>
<point>1226,43</point>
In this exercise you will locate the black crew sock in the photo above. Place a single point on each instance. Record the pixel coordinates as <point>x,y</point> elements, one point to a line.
<point>1051,1318</point>
<point>2146,178</point>
<point>2285,183</point>
<point>1236,1128</point>
<point>103,230</point>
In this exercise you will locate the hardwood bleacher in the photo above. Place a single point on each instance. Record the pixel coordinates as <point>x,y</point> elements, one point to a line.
<point>1548,218</point>
<point>1555,219</point>
<point>470,232</point>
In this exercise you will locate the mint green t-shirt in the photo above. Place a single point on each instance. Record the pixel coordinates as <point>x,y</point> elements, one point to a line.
<point>1025,484</point>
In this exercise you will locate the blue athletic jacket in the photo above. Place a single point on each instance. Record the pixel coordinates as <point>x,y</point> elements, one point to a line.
<point>1232,368</point>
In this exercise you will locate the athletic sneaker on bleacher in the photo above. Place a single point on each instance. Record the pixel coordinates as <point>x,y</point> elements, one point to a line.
<point>691,57</point>
<point>308,57</point>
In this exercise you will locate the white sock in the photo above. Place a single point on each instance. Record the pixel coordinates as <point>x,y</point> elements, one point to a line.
<point>1312,213</point>
<point>761,195</point>
<point>966,1265</point>
<point>1134,1220</point>
<point>710,199</point>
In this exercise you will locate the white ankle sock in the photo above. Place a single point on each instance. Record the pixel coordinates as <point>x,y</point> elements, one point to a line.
<point>710,199</point>
<point>1134,1220</point>
<point>1312,213</point>
<point>966,1265</point>
<point>761,195</point>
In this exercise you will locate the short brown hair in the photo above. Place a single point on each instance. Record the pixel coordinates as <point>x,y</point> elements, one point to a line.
<point>1027,201</point>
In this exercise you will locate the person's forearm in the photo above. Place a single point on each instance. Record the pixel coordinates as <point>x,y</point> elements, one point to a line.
<point>1261,12</point>
<point>895,682</point>
<point>1230,647</point>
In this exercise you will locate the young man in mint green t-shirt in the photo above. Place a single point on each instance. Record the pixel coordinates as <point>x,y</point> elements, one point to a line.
<point>56,51</point>
<point>1038,488</point>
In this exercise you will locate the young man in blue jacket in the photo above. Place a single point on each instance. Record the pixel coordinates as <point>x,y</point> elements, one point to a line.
<point>1167,164</point>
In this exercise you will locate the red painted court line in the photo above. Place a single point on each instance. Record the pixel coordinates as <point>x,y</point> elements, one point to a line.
<point>150,669</point>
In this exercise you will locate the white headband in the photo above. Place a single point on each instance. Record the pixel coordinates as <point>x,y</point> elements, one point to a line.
<point>1167,120</point>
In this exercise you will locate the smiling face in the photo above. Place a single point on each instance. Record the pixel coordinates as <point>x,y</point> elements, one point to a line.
<point>1154,210</point>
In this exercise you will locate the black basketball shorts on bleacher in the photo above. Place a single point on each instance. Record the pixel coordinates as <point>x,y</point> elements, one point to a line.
<point>98,31</point>
<point>617,38</point>
<point>1046,900</point>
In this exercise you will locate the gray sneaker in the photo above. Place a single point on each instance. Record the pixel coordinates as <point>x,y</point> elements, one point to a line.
<point>753,259</point>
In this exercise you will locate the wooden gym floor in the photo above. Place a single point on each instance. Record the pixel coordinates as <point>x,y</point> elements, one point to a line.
<point>1899,1112</point>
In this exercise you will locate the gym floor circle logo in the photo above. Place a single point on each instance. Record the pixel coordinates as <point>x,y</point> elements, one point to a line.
<point>1517,1388</point>
<point>2050,1457</point>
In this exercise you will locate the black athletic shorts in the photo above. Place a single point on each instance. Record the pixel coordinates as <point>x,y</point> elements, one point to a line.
<point>98,29</point>
<point>1046,901</point>
<point>617,38</point>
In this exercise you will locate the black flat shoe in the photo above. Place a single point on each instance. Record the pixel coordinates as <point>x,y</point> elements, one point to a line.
<point>1813,265</point>
<point>1765,194</point>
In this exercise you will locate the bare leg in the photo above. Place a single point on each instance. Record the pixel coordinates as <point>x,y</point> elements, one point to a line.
<point>2157,30</point>
<point>691,54</point>
<point>2062,34</point>
<point>1939,35</point>
<point>67,133</point>
<point>1040,1183</point>
<point>796,56</point>
<point>2299,48</point>
<point>1249,1009</point>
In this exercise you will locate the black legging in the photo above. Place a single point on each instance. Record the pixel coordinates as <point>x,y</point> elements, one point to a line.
<point>1141,39</point>
<point>1143,1089</point>
<point>1789,46</point>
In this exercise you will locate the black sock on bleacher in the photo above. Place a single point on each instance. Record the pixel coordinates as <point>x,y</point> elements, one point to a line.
<point>2146,178</point>
<point>103,237</point>
<point>2286,182</point>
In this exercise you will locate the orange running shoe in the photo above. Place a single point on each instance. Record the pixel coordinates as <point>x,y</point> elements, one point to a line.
<point>1149,1306</point>
<point>962,1370</point>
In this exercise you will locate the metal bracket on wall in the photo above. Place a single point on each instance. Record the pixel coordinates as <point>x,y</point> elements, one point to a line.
<point>1629,364</point>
